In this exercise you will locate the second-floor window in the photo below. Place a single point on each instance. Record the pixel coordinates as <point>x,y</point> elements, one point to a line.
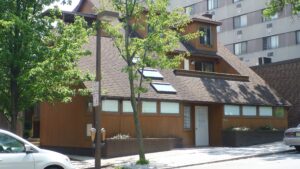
<point>265,19</point>
<point>205,38</point>
<point>240,48</point>
<point>212,4</point>
<point>189,10</point>
<point>204,66</point>
<point>239,21</point>
<point>270,42</point>
<point>298,37</point>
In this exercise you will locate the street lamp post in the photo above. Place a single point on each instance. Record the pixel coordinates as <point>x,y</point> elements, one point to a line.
<point>98,108</point>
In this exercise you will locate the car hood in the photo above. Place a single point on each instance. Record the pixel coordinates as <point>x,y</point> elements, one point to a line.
<point>293,130</point>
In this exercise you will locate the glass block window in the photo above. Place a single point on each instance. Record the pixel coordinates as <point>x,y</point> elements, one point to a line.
<point>169,108</point>
<point>110,105</point>
<point>279,112</point>
<point>231,110</point>
<point>187,117</point>
<point>240,48</point>
<point>249,110</point>
<point>240,21</point>
<point>265,111</point>
<point>149,107</point>
<point>163,87</point>
<point>270,42</point>
<point>127,108</point>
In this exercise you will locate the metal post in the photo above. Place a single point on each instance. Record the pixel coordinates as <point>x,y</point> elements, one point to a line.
<point>98,108</point>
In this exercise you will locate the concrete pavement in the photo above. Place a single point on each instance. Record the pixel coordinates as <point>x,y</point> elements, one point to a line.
<point>186,157</point>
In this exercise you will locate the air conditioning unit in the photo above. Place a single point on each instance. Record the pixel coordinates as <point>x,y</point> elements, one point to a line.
<point>269,25</point>
<point>270,54</point>
<point>238,5</point>
<point>264,60</point>
<point>239,32</point>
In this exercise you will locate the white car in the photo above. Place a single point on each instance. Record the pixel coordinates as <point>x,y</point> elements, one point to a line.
<point>292,137</point>
<point>17,153</point>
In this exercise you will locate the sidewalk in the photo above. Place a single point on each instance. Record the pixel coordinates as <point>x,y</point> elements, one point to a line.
<point>185,157</point>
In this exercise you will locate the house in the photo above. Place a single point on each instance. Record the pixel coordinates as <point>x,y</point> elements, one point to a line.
<point>284,77</point>
<point>210,92</point>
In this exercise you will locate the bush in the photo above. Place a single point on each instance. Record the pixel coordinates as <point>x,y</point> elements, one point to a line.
<point>267,128</point>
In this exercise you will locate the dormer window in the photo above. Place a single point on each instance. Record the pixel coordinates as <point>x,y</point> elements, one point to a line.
<point>205,38</point>
<point>204,66</point>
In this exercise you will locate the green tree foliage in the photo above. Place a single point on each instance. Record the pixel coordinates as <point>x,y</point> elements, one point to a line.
<point>38,56</point>
<point>164,32</point>
<point>278,5</point>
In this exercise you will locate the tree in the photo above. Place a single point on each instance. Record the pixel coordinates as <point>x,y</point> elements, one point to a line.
<point>38,56</point>
<point>278,5</point>
<point>164,31</point>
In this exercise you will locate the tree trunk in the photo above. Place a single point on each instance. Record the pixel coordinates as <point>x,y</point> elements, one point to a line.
<point>137,123</point>
<point>14,106</point>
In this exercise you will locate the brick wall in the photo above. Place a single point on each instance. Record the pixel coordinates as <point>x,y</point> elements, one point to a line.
<point>284,77</point>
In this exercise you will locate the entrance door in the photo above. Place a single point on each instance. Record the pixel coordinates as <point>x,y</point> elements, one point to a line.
<point>201,126</point>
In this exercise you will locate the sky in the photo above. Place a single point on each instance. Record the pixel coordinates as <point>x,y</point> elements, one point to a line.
<point>67,7</point>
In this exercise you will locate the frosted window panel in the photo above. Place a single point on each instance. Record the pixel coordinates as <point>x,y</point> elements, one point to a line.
<point>110,105</point>
<point>127,108</point>
<point>169,108</point>
<point>187,117</point>
<point>265,111</point>
<point>231,110</point>
<point>249,110</point>
<point>149,107</point>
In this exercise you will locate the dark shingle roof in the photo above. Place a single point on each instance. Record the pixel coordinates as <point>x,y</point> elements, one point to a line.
<point>194,89</point>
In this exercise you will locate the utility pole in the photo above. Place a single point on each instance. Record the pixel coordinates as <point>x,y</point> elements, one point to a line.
<point>99,107</point>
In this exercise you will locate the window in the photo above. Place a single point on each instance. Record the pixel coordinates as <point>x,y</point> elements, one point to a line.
<point>212,4</point>
<point>231,110</point>
<point>204,66</point>
<point>169,108</point>
<point>298,37</point>
<point>240,48</point>
<point>163,87</point>
<point>235,1</point>
<point>205,38</point>
<point>110,105</point>
<point>151,73</point>
<point>187,117</point>
<point>279,112</point>
<point>239,21</point>
<point>270,42</point>
<point>127,108</point>
<point>249,110</point>
<point>149,107</point>
<point>9,144</point>
<point>265,19</point>
<point>265,111</point>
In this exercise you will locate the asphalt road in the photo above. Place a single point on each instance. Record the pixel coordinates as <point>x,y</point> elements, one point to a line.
<point>289,160</point>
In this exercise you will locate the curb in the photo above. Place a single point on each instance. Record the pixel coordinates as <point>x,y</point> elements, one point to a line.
<point>232,159</point>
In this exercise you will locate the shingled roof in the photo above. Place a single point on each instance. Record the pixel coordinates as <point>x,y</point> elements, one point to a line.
<point>193,89</point>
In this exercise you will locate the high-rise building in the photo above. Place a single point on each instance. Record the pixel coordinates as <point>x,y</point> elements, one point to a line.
<point>252,37</point>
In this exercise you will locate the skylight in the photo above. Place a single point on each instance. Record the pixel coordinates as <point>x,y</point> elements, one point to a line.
<point>151,73</point>
<point>163,87</point>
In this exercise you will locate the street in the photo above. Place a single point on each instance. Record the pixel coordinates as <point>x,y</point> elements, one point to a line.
<point>276,161</point>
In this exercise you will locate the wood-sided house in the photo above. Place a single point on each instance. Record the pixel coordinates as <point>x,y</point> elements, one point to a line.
<point>210,92</point>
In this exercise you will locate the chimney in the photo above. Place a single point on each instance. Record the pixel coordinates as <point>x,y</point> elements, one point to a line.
<point>208,15</point>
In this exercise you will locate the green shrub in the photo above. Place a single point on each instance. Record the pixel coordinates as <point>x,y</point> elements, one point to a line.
<point>142,162</point>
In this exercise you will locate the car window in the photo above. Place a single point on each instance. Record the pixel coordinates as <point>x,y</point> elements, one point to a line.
<point>298,125</point>
<point>9,144</point>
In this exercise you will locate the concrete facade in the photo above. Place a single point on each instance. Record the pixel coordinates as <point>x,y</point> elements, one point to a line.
<point>284,25</point>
